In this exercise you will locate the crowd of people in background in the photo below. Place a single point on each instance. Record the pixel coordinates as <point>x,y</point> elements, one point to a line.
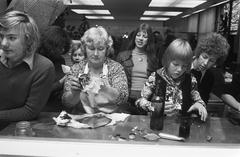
<point>106,76</point>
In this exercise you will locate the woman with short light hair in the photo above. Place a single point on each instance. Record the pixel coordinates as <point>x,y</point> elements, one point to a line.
<point>96,84</point>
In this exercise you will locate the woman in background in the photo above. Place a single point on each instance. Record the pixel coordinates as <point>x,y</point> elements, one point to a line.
<point>210,50</point>
<point>138,62</point>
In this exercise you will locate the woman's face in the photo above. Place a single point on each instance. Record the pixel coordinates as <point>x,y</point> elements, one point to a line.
<point>176,68</point>
<point>77,56</point>
<point>96,53</point>
<point>141,39</point>
<point>205,61</point>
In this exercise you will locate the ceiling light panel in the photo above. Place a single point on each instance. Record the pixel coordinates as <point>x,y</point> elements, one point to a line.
<point>161,3</point>
<point>154,18</point>
<point>83,2</point>
<point>162,13</point>
<point>190,3</point>
<point>100,17</point>
<point>176,3</point>
<point>86,11</point>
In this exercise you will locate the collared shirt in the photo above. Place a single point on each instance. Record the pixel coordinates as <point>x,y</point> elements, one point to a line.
<point>28,60</point>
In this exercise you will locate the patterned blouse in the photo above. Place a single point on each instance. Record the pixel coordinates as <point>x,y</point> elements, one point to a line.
<point>115,76</point>
<point>173,91</point>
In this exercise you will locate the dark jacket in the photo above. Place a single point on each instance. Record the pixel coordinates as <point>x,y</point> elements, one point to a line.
<point>212,81</point>
<point>186,85</point>
<point>233,88</point>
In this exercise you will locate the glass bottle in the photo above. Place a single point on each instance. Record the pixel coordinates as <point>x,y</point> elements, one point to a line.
<point>184,128</point>
<point>157,116</point>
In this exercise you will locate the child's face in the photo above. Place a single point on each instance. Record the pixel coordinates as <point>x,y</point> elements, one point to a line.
<point>176,68</point>
<point>78,56</point>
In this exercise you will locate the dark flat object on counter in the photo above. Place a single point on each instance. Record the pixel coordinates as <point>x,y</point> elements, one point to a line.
<point>96,121</point>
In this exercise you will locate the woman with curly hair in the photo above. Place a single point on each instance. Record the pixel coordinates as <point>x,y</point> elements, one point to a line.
<point>209,51</point>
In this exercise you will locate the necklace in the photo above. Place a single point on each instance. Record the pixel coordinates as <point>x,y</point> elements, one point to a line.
<point>138,55</point>
<point>140,59</point>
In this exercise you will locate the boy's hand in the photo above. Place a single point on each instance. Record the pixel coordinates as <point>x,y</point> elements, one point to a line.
<point>201,110</point>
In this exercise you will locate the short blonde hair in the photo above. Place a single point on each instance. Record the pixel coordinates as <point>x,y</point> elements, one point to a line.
<point>97,35</point>
<point>26,25</point>
<point>178,49</point>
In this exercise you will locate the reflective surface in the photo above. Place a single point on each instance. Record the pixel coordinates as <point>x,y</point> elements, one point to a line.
<point>215,130</point>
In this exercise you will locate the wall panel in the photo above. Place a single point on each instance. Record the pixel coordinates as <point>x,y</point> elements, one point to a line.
<point>207,21</point>
<point>193,23</point>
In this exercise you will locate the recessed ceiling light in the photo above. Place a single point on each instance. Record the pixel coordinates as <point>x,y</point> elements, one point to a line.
<point>155,18</point>
<point>163,13</point>
<point>100,17</point>
<point>86,11</point>
<point>83,2</point>
<point>176,3</point>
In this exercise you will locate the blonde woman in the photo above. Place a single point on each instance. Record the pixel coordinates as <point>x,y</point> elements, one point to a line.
<point>96,84</point>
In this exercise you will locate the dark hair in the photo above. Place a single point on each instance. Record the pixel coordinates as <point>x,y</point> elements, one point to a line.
<point>54,42</point>
<point>150,47</point>
<point>212,44</point>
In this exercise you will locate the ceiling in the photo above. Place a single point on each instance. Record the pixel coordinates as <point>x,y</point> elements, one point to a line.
<point>134,9</point>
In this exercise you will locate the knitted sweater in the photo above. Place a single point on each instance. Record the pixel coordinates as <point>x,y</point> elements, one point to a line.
<point>24,92</point>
